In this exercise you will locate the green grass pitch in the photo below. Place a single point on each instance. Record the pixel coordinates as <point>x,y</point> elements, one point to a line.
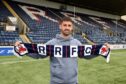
<point>96,71</point>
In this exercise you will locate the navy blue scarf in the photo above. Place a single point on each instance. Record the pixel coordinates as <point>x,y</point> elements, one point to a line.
<point>65,51</point>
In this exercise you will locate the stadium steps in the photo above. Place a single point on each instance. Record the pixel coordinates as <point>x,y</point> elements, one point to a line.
<point>88,41</point>
<point>23,37</point>
<point>110,32</point>
<point>84,36</point>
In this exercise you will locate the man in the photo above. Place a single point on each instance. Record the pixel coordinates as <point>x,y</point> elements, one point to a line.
<point>64,70</point>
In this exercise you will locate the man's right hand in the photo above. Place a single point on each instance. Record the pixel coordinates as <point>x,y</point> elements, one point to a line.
<point>17,43</point>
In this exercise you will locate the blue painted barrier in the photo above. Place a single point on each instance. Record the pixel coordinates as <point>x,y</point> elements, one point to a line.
<point>6,51</point>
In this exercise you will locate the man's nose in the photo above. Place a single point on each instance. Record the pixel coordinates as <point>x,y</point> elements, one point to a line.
<point>67,27</point>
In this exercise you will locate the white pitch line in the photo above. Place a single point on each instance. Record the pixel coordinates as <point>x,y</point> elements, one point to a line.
<point>12,62</point>
<point>8,59</point>
<point>21,61</point>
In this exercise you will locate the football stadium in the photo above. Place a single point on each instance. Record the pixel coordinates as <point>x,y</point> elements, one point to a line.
<point>35,22</point>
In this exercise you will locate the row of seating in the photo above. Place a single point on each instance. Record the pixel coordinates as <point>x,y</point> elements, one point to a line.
<point>45,29</point>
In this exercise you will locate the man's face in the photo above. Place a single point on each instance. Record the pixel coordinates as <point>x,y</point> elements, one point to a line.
<point>66,28</point>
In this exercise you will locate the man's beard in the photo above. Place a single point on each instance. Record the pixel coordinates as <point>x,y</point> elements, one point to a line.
<point>66,32</point>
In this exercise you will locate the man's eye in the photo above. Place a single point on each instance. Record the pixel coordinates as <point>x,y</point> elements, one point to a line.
<point>69,25</point>
<point>65,25</point>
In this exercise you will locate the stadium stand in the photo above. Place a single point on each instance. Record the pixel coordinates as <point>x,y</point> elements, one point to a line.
<point>43,29</point>
<point>6,37</point>
<point>45,26</point>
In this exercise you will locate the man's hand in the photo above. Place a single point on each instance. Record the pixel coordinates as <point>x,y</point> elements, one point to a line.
<point>17,43</point>
<point>107,45</point>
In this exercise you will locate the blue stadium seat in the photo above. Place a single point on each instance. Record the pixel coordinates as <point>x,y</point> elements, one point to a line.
<point>45,29</point>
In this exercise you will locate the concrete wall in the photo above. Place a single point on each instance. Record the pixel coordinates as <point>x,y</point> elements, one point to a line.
<point>69,8</point>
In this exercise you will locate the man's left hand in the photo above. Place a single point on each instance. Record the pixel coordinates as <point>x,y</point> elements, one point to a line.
<point>107,45</point>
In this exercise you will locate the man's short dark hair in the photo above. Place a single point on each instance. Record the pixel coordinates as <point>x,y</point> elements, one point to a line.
<point>65,19</point>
